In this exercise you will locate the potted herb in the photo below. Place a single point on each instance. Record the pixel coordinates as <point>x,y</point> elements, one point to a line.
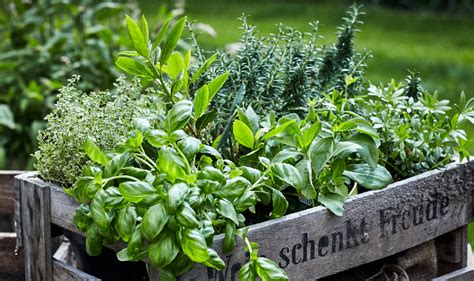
<point>179,190</point>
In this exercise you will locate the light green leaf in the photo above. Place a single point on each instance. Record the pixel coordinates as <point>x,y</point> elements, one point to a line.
<point>136,191</point>
<point>216,84</point>
<point>201,101</point>
<point>94,152</point>
<point>311,133</point>
<point>176,194</point>
<point>194,245</point>
<point>246,273</point>
<point>268,270</point>
<point>288,174</point>
<point>125,222</point>
<point>214,260</point>
<point>243,134</point>
<point>334,202</point>
<point>161,34</point>
<point>179,115</point>
<point>133,67</point>
<point>277,130</point>
<point>172,40</point>
<point>280,204</point>
<point>136,36</point>
<point>144,29</point>
<point>227,210</point>
<point>203,68</point>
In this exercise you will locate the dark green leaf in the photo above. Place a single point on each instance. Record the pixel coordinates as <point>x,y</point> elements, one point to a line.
<point>280,205</point>
<point>6,117</point>
<point>205,119</point>
<point>245,201</point>
<point>164,250</point>
<point>229,240</point>
<point>368,177</point>
<point>125,222</point>
<point>334,202</point>
<point>114,166</point>
<point>136,191</point>
<point>320,152</point>
<point>186,216</point>
<point>82,218</point>
<point>189,146</point>
<point>176,195</point>
<point>288,174</point>
<point>93,241</point>
<point>227,210</point>
<point>233,188</point>
<point>154,220</point>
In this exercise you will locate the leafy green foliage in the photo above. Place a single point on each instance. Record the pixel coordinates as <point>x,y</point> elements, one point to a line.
<point>43,44</point>
<point>106,117</point>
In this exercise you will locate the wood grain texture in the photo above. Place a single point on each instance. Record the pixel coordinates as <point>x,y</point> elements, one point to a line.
<point>36,230</point>
<point>314,243</point>
<point>7,191</point>
<point>62,271</point>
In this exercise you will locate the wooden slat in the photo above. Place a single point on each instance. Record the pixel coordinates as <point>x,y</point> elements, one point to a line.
<point>9,262</point>
<point>464,274</point>
<point>314,243</point>
<point>36,231</point>
<point>7,191</point>
<point>63,271</point>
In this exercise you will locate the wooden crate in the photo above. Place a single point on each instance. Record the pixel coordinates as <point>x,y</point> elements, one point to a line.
<point>10,263</point>
<point>310,244</point>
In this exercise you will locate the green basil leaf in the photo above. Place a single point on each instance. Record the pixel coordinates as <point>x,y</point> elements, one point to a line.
<point>164,250</point>
<point>214,260</point>
<point>368,177</point>
<point>229,239</point>
<point>211,173</point>
<point>246,273</point>
<point>136,248</point>
<point>85,188</point>
<point>125,222</point>
<point>334,202</point>
<point>157,138</point>
<point>166,275</point>
<point>94,152</point>
<point>171,164</point>
<point>268,270</point>
<point>337,167</point>
<point>98,213</point>
<point>93,241</point>
<point>172,40</point>
<point>227,210</point>
<point>201,101</point>
<point>233,188</point>
<point>133,67</point>
<point>136,36</point>
<point>181,264</point>
<point>113,167</point>
<point>285,155</point>
<point>186,216</point>
<point>367,148</point>
<point>243,134</point>
<point>136,191</point>
<point>190,147</point>
<point>307,188</point>
<point>179,115</point>
<point>82,218</point>
<point>320,151</point>
<point>280,204</point>
<point>194,245</point>
<point>245,201</point>
<point>176,195</point>
<point>154,220</point>
<point>288,174</point>
<point>135,172</point>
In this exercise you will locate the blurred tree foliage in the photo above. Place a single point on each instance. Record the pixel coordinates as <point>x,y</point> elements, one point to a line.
<point>462,6</point>
<point>43,43</point>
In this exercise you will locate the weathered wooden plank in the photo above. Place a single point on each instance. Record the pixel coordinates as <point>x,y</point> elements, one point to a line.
<point>7,191</point>
<point>314,243</point>
<point>36,231</point>
<point>451,250</point>
<point>63,271</point>
<point>17,182</point>
<point>464,274</point>
<point>9,262</point>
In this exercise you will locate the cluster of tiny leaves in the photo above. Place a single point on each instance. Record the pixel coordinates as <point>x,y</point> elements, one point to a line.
<point>106,115</point>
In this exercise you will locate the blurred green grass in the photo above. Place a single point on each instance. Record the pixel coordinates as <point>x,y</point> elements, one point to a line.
<point>439,46</point>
